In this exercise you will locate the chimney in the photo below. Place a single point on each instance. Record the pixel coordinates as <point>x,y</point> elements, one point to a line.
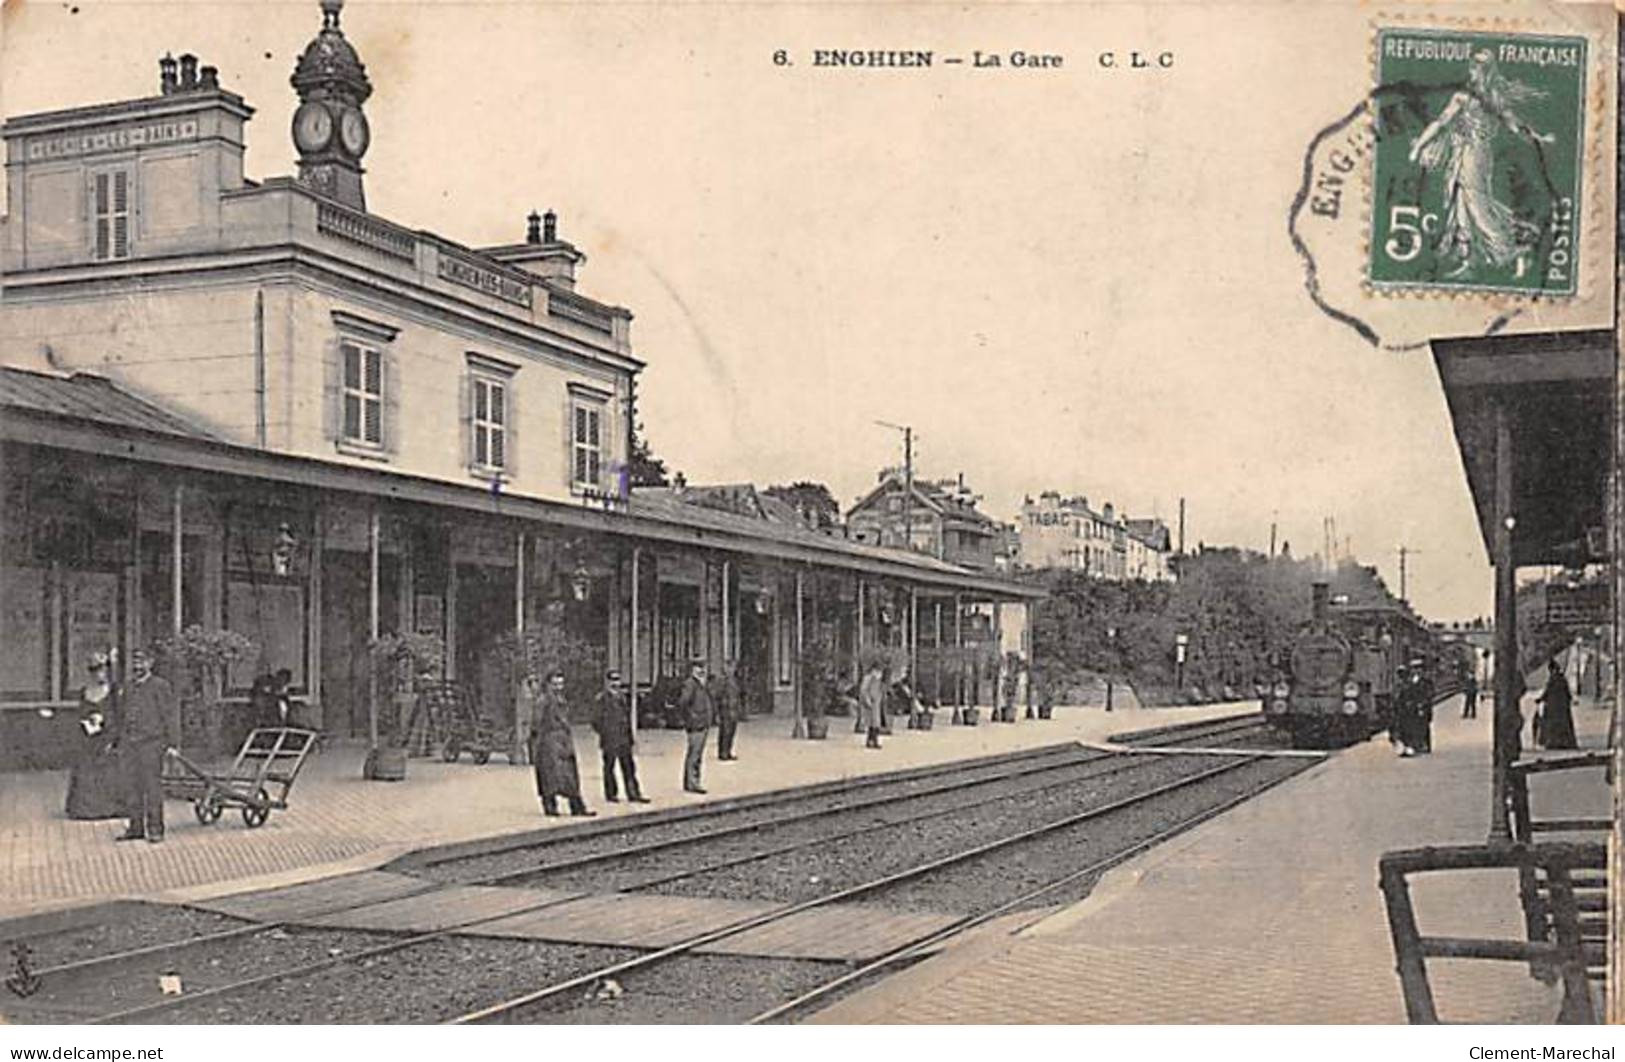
<point>188,72</point>
<point>550,227</point>
<point>533,228</point>
<point>166,75</point>
<point>209,78</point>
<point>1320,601</point>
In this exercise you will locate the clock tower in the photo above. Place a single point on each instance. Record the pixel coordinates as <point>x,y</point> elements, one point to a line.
<point>329,129</point>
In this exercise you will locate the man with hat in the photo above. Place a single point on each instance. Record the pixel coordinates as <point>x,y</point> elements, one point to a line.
<point>553,750</point>
<point>698,709</point>
<point>149,732</point>
<point>612,719</point>
<point>725,695</point>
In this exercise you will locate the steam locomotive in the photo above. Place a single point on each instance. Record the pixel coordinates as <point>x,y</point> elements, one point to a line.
<point>1337,683</point>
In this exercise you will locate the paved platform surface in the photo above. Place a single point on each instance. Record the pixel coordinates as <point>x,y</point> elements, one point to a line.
<point>1268,914</point>
<point>337,822</point>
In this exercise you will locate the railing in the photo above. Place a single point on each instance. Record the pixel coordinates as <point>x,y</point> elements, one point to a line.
<point>581,311</point>
<point>368,232</point>
<point>1534,892</point>
<point>1562,950</point>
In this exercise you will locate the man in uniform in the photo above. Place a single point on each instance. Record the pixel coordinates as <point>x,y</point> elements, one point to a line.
<point>612,718</point>
<point>149,732</point>
<point>725,693</point>
<point>698,709</point>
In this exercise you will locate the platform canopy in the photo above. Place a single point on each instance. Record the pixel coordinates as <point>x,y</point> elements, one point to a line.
<point>1557,391</point>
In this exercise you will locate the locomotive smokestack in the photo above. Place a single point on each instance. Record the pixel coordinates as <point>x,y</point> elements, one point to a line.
<point>1320,600</point>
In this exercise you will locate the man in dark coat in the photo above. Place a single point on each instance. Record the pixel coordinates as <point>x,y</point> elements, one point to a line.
<point>553,750</point>
<point>149,731</point>
<point>1402,727</point>
<point>612,718</point>
<point>1421,675</point>
<point>698,709</point>
<point>725,695</point>
<point>1469,693</point>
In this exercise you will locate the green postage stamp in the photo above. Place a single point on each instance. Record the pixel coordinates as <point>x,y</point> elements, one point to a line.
<point>1476,180</point>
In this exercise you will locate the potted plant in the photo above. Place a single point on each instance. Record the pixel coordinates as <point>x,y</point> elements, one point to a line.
<point>1046,695</point>
<point>401,665</point>
<point>199,661</point>
<point>819,675</point>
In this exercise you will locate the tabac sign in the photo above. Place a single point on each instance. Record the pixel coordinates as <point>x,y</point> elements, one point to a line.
<point>70,145</point>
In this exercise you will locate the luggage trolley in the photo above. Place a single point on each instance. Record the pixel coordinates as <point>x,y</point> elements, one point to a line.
<point>258,781</point>
<point>462,727</point>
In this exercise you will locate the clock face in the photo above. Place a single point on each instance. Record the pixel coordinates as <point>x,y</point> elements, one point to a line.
<point>312,127</point>
<point>354,132</point>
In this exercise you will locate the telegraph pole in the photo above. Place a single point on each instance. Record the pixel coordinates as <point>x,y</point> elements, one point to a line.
<point>1404,553</point>
<point>908,480</point>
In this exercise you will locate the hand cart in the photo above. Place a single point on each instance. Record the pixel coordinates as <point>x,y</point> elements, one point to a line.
<point>462,727</point>
<point>258,781</point>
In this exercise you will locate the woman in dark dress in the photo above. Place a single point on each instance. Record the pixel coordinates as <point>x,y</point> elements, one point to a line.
<point>1556,711</point>
<point>94,787</point>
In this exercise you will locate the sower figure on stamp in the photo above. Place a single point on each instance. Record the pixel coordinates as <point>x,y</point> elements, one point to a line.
<point>612,719</point>
<point>698,710</point>
<point>1478,229</point>
<point>553,750</point>
<point>149,732</point>
<point>725,694</point>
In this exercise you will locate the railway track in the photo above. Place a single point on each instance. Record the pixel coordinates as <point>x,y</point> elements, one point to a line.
<point>1020,776</point>
<point>533,1005</point>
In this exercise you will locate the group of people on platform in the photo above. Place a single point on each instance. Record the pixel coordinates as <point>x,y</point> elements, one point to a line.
<point>128,732</point>
<point>1411,730</point>
<point>702,702</point>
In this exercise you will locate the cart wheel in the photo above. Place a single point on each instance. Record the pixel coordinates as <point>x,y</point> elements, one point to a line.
<point>256,814</point>
<point>482,757</point>
<point>452,749</point>
<point>207,810</point>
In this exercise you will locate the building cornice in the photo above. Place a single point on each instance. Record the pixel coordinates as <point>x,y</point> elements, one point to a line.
<point>144,108</point>
<point>428,306</point>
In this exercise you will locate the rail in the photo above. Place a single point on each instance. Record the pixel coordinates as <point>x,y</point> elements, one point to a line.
<point>1564,951</point>
<point>1533,892</point>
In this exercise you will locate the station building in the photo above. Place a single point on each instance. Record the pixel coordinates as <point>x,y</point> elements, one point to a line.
<point>254,406</point>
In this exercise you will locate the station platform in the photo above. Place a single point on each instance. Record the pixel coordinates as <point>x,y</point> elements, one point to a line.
<point>336,822</point>
<point>1270,913</point>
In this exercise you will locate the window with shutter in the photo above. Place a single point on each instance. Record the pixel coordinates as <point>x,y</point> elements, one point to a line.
<point>586,443</point>
<point>489,423</point>
<point>363,395</point>
<point>488,417</point>
<point>110,209</point>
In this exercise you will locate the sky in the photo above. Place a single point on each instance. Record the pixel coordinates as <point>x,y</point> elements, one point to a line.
<point>1075,279</point>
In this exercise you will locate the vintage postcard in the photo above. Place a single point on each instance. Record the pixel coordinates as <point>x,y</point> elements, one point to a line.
<point>809,514</point>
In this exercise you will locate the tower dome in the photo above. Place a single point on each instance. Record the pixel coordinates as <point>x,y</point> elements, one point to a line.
<point>329,64</point>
